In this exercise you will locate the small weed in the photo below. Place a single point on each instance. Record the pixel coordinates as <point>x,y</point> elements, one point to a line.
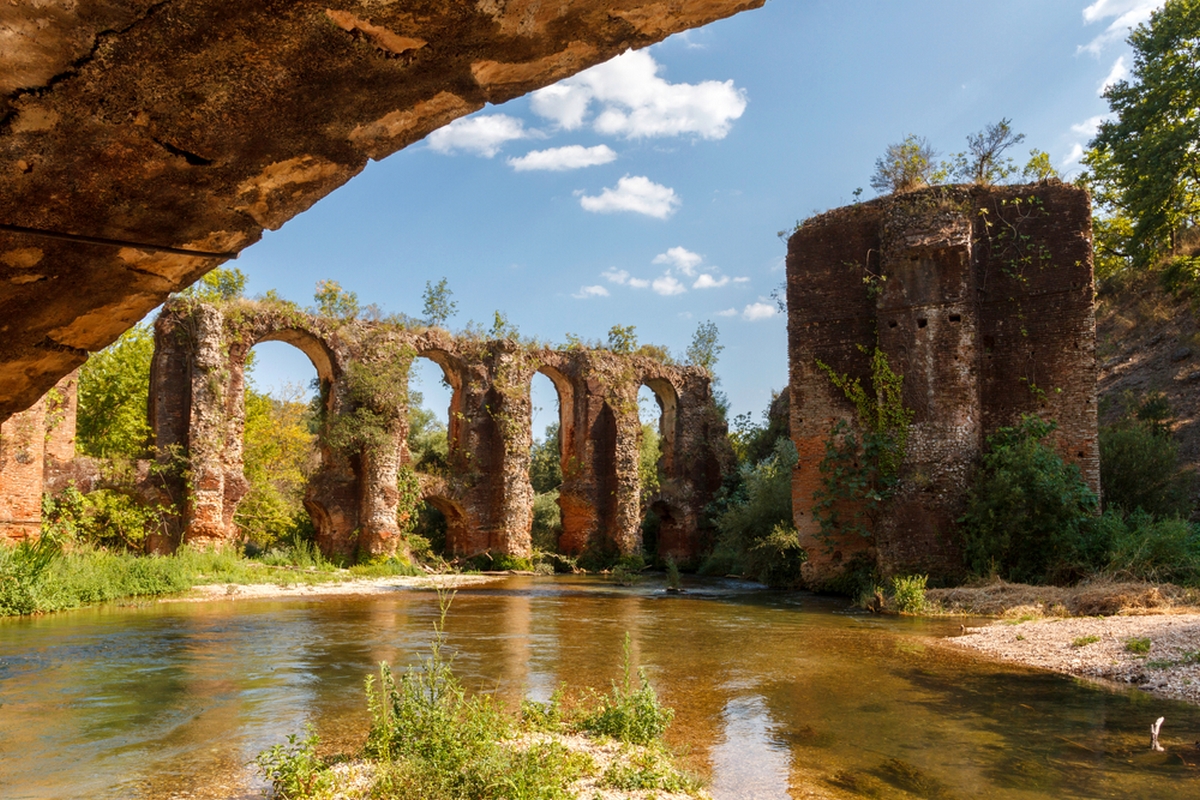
<point>1140,646</point>
<point>629,714</point>
<point>1084,641</point>
<point>908,593</point>
<point>294,770</point>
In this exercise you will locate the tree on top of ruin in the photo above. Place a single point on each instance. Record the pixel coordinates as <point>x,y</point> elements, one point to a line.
<point>222,283</point>
<point>907,165</point>
<point>335,302</point>
<point>439,306</point>
<point>705,346</point>
<point>622,339</point>
<point>984,162</point>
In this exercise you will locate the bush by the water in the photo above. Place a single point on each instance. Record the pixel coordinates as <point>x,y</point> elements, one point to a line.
<point>1029,513</point>
<point>1031,519</point>
<point>755,534</point>
<point>430,739</point>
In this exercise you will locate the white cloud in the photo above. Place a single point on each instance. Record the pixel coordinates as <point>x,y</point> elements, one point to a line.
<point>668,285</point>
<point>559,159</point>
<point>1083,133</point>
<point>638,194</point>
<point>615,275</point>
<point>483,136</point>
<point>706,281</point>
<point>681,258</point>
<point>1088,127</point>
<point>590,291</point>
<point>1118,73</point>
<point>757,311</point>
<point>729,312</point>
<point>638,283</point>
<point>1128,14</point>
<point>741,280</point>
<point>635,102</point>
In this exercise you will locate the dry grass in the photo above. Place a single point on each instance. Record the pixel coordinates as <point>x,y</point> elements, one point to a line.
<point>1101,597</point>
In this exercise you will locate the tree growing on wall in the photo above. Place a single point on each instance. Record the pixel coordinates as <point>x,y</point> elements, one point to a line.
<point>439,305</point>
<point>335,302</point>
<point>705,346</point>
<point>984,162</point>
<point>907,165</point>
<point>622,339</point>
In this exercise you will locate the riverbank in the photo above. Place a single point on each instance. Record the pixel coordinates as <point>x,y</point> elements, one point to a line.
<point>348,586</point>
<point>1130,633</point>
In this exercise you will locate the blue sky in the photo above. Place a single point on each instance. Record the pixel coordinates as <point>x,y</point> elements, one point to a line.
<point>649,191</point>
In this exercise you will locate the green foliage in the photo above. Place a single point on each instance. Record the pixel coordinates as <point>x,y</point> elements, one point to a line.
<point>335,302</point>
<point>1029,514</point>
<point>648,769</point>
<point>545,467</point>
<point>279,454</point>
<point>547,521</point>
<point>503,329</point>
<point>907,594</point>
<point>114,387</point>
<point>705,346</point>
<point>754,531</point>
<point>1140,547</point>
<point>218,285</point>
<point>984,162</point>
<point>294,770</point>
<point>906,166</point>
<point>1147,154</point>
<point>753,442</point>
<point>1137,645</point>
<point>439,306</point>
<point>1084,641</point>
<point>428,439</point>
<point>649,460</point>
<point>378,394</point>
<point>1139,464</point>
<point>103,517</point>
<point>1039,167</point>
<point>629,713</point>
<point>860,470</point>
<point>622,339</point>
<point>22,571</point>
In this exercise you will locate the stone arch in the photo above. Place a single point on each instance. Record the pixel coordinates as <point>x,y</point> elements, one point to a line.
<point>453,370</point>
<point>457,524</point>
<point>667,397</point>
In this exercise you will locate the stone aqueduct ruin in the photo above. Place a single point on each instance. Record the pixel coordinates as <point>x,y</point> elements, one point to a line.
<point>197,419</point>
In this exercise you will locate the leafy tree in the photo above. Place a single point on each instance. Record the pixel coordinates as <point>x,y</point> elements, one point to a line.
<point>279,451</point>
<point>1139,463</point>
<point>114,388</point>
<point>649,455</point>
<point>622,339</point>
<point>222,283</point>
<point>906,166</point>
<point>545,467</point>
<point>1038,168</point>
<point>334,301</point>
<point>502,328</point>
<point>1149,152</point>
<point>439,307</point>
<point>984,163</point>
<point>1029,514</point>
<point>705,346</point>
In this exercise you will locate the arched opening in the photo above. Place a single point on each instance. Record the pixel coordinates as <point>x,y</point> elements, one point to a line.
<point>657,404</point>
<point>431,397</point>
<point>285,388</point>
<point>439,523</point>
<point>551,428</point>
<point>604,471</point>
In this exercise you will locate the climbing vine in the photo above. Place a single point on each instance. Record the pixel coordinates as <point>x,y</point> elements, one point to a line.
<point>861,469</point>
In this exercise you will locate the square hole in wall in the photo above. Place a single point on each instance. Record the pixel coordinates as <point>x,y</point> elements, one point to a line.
<point>921,323</point>
<point>956,318</point>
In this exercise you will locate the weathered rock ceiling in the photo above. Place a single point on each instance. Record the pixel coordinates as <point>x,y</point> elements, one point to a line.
<point>143,143</point>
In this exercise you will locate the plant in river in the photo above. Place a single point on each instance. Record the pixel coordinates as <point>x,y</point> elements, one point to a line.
<point>908,593</point>
<point>628,713</point>
<point>294,769</point>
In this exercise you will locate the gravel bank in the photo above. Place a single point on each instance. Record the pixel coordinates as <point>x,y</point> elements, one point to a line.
<point>1109,648</point>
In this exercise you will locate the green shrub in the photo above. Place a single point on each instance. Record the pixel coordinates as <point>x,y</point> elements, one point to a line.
<point>1140,547</point>
<point>908,593</point>
<point>547,521</point>
<point>1029,514</point>
<point>1139,469</point>
<point>754,532</point>
<point>294,770</point>
<point>628,713</point>
<point>1138,645</point>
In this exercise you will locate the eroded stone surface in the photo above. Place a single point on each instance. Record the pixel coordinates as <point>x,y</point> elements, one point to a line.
<point>194,124</point>
<point>982,299</point>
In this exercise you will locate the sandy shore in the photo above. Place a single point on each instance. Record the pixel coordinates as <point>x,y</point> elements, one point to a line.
<point>360,586</point>
<point>1158,653</point>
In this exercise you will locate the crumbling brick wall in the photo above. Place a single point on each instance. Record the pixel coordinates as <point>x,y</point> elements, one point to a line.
<point>982,299</point>
<point>196,409</point>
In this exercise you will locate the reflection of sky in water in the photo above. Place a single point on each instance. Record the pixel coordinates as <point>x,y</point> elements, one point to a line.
<point>747,764</point>
<point>768,689</point>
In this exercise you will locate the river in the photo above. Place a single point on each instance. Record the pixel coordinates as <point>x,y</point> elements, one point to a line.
<point>776,695</point>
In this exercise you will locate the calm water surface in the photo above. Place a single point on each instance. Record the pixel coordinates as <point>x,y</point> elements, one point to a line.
<point>776,695</point>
